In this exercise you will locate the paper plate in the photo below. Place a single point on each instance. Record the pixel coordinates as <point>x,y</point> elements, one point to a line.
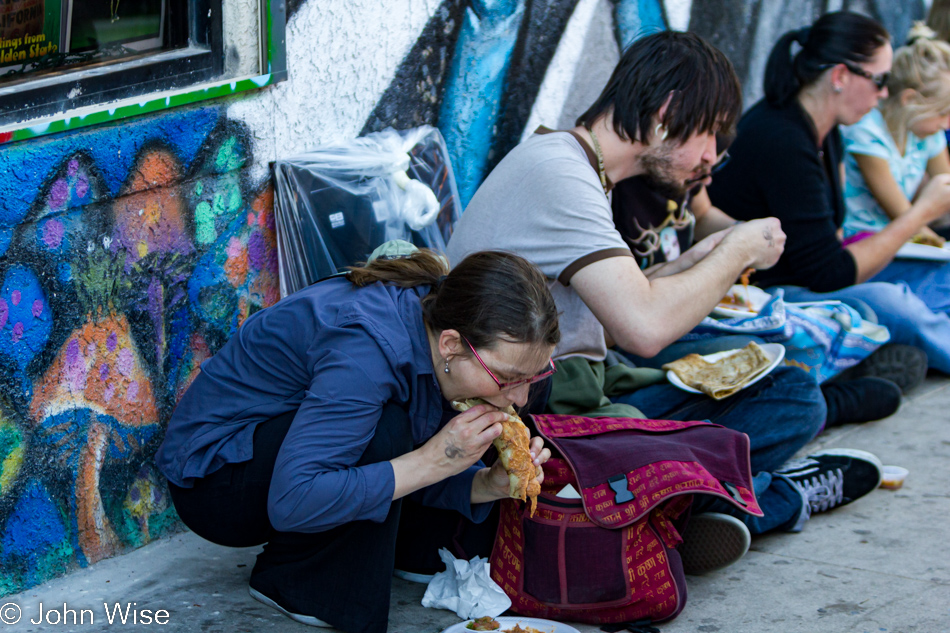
<point>545,626</point>
<point>757,297</point>
<point>923,251</point>
<point>775,351</point>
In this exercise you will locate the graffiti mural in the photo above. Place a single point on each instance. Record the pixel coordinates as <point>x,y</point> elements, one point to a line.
<point>759,23</point>
<point>477,67</point>
<point>129,255</point>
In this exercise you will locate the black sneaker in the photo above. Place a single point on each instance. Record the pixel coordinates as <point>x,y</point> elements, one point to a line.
<point>860,400</point>
<point>833,477</point>
<point>904,365</point>
<point>712,541</point>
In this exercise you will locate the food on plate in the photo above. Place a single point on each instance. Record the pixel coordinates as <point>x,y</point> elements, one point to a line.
<point>486,623</point>
<point>734,301</point>
<point>724,377</point>
<point>737,299</point>
<point>928,240</point>
<point>517,629</point>
<point>514,450</point>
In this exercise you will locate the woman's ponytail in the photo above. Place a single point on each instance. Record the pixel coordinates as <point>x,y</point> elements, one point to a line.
<point>833,39</point>
<point>421,268</point>
<point>781,81</point>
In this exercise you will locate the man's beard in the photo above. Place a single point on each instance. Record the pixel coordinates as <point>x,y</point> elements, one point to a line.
<point>657,170</point>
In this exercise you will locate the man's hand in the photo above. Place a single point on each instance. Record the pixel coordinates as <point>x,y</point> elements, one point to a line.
<point>690,258</point>
<point>763,241</point>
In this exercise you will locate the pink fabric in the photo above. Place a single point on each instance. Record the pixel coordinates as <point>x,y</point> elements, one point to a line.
<point>857,237</point>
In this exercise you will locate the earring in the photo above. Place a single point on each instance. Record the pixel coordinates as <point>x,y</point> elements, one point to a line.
<point>446,370</point>
<point>836,88</point>
<point>656,132</point>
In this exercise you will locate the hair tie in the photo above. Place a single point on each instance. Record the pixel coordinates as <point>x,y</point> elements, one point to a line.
<point>916,38</point>
<point>438,282</point>
<point>801,36</point>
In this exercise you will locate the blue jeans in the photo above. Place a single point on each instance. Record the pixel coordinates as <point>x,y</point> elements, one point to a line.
<point>928,280</point>
<point>780,414</point>
<point>909,320</point>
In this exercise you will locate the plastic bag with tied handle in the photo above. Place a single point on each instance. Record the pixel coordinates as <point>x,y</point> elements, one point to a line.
<point>466,588</point>
<point>338,202</point>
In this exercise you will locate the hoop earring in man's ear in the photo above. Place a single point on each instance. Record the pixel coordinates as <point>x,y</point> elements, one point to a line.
<point>656,132</point>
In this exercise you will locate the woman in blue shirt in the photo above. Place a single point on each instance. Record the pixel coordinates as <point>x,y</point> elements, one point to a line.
<point>311,423</point>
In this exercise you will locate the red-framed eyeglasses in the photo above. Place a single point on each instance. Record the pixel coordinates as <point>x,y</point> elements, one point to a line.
<point>514,383</point>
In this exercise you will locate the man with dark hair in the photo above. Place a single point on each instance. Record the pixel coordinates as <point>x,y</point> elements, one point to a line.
<point>549,201</point>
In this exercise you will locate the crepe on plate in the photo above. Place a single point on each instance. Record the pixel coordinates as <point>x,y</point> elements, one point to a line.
<point>514,450</point>
<point>724,377</point>
<point>928,240</point>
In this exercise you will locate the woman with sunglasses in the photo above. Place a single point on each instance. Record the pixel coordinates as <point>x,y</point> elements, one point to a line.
<point>309,426</point>
<point>786,162</point>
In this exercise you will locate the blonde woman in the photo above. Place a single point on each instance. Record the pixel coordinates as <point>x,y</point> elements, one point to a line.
<point>893,150</point>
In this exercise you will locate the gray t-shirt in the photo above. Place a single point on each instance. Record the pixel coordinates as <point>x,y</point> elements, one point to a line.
<point>544,201</point>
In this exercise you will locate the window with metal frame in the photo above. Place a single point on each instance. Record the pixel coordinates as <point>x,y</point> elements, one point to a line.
<point>59,57</point>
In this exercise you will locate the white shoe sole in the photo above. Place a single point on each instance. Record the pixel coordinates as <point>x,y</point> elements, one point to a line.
<point>297,617</point>
<point>713,541</point>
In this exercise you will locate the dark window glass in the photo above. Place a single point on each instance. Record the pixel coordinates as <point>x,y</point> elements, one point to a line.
<point>134,24</point>
<point>57,55</point>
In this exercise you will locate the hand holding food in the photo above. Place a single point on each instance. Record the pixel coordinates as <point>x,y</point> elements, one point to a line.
<point>762,239</point>
<point>928,237</point>
<point>463,441</point>
<point>514,452</point>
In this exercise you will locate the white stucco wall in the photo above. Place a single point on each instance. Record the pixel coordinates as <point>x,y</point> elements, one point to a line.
<point>341,57</point>
<point>241,23</point>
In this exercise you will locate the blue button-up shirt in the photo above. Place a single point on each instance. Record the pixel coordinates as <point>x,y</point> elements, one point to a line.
<point>336,354</point>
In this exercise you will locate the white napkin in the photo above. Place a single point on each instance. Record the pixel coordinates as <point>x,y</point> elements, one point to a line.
<point>466,588</point>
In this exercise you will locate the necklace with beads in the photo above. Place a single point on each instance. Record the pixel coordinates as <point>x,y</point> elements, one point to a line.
<point>600,161</point>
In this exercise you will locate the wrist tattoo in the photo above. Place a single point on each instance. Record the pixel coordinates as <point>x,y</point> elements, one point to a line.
<point>453,452</point>
<point>767,234</point>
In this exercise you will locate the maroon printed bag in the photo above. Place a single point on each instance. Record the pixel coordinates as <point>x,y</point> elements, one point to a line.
<point>610,556</point>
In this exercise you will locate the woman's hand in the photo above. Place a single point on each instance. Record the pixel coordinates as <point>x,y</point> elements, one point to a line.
<point>465,438</point>
<point>491,484</point>
<point>456,446</point>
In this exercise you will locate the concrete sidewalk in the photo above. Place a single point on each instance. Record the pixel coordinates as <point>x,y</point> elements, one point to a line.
<point>880,564</point>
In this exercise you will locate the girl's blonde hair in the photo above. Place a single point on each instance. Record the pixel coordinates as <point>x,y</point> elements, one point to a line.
<point>922,65</point>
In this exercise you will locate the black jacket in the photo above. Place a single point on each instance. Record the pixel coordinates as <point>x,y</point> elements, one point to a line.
<point>777,169</point>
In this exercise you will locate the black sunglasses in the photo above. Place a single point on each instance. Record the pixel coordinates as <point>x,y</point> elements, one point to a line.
<point>879,80</point>
<point>722,162</point>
